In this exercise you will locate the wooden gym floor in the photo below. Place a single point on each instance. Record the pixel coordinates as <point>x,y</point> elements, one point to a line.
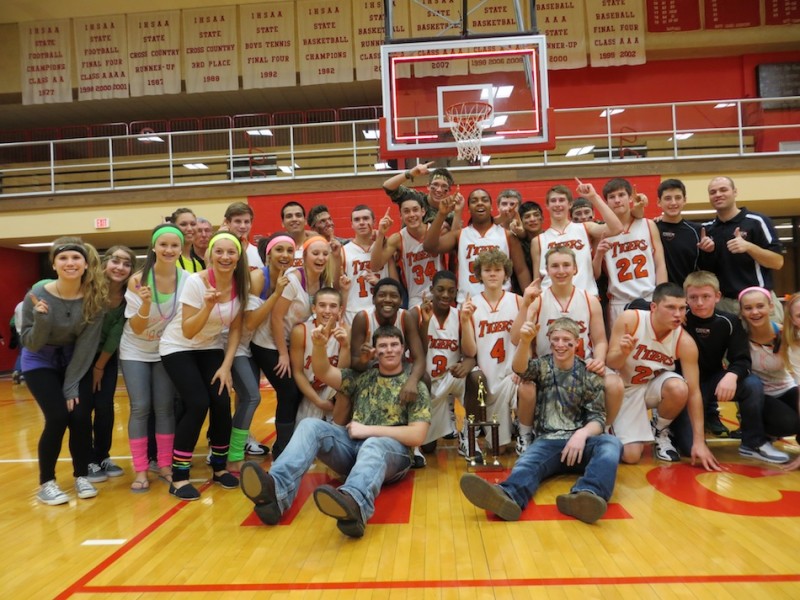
<point>672,531</point>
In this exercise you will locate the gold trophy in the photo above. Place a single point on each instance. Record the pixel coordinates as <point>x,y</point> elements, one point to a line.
<point>474,425</point>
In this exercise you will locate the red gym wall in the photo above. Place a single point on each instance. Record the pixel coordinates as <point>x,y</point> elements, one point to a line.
<point>340,204</point>
<point>20,272</point>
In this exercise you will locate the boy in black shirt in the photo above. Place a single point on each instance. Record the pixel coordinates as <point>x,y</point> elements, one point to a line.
<point>720,336</point>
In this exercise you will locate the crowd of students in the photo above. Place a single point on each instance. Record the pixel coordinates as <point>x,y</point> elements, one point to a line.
<point>569,339</point>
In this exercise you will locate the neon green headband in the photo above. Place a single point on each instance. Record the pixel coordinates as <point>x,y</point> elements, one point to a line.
<point>225,236</point>
<point>168,229</point>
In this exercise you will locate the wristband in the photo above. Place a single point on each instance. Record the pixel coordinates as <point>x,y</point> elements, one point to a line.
<point>140,315</point>
<point>408,175</point>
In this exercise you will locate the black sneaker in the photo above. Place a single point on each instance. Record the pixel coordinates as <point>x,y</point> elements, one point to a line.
<point>418,460</point>
<point>714,426</point>
<point>342,507</point>
<point>259,487</point>
<point>226,480</point>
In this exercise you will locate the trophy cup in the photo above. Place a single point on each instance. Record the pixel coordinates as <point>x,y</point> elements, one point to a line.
<point>474,425</point>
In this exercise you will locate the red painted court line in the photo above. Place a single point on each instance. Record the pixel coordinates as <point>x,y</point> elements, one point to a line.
<point>80,585</point>
<point>441,584</point>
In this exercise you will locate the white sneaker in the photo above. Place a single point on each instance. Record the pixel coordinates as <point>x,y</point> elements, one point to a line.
<point>463,447</point>
<point>50,494</point>
<point>663,447</point>
<point>253,448</point>
<point>84,488</point>
<point>766,452</point>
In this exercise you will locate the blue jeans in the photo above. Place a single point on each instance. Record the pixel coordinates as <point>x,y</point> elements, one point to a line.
<point>542,459</point>
<point>368,464</point>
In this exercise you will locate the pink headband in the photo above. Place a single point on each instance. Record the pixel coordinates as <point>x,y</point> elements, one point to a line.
<point>755,288</point>
<point>312,240</point>
<point>281,239</point>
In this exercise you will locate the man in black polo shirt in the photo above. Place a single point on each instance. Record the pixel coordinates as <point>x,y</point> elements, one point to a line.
<point>686,245</point>
<point>747,248</point>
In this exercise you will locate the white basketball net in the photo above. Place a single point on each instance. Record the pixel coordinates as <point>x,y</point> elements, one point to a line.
<point>467,120</point>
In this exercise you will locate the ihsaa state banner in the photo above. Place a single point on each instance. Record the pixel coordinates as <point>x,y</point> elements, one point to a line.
<point>154,53</point>
<point>101,55</point>
<point>209,49</point>
<point>44,51</point>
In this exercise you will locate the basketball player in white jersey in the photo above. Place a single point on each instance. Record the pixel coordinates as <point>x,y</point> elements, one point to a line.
<point>634,258</point>
<point>488,335</point>
<point>565,299</point>
<point>440,331</point>
<point>386,310</point>
<point>293,218</point>
<point>581,237</point>
<point>417,265</point>
<point>318,399</point>
<point>644,347</point>
<point>357,263</point>
<point>479,236</point>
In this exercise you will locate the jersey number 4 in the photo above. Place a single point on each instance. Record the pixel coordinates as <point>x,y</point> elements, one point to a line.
<point>499,351</point>
<point>639,263</point>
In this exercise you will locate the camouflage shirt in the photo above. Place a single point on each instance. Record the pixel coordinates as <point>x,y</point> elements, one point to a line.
<point>566,400</point>
<point>376,398</point>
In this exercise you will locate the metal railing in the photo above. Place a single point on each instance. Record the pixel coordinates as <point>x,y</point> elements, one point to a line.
<point>264,150</point>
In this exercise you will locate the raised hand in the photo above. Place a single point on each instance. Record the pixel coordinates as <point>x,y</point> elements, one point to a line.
<point>584,189</point>
<point>603,245</point>
<point>282,282</point>
<point>528,332</point>
<point>627,342</point>
<point>211,296</point>
<point>738,245</point>
<point>639,200</point>
<point>467,309</point>
<point>322,333</point>
<point>706,243</point>
<point>386,222</point>
<point>426,308</point>
<point>145,293</point>
<point>516,225</point>
<point>39,305</point>
<point>344,284</point>
<point>341,334</point>
<point>533,291</point>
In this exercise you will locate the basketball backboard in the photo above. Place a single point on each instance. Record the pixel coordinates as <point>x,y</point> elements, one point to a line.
<point>422,80</point>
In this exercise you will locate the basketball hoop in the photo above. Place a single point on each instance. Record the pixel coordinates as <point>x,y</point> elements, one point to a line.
<point>467,120</point>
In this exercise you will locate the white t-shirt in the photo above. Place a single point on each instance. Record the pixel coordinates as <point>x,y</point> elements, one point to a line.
<point>299,311</point>
<point>253,259</point>
<point>143,347</point>
<point>211,335</point>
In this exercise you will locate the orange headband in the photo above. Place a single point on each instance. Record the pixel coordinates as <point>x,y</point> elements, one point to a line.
<point>311,240</point>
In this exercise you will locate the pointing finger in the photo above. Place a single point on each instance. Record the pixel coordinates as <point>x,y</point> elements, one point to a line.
<point>387,212</point>
<point>737,233</point>
<point>33,297</point>
<point>207,283</point>
<point>578,181</point>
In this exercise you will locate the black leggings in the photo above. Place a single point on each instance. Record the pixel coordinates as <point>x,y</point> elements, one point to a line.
<point>101,403</point>
<point>781,416</point>
<point>285,388</point>
<point>191,372</point>
<point>46,385</point>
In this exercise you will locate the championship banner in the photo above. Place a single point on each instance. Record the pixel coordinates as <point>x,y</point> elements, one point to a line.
<point>494,16</point>
<point>369,34</point>
<point>673,15</point>
<point>616,33</point>
<point>268,45</point>
<point>101,50</point>
<point>724,14</point>
<point>44,51</point>
<point>781,12</point>
<point>325,35</point>
<point>431,20</point>
<point>564,25</point>
<point>209,49</point>
<point>154,53</point>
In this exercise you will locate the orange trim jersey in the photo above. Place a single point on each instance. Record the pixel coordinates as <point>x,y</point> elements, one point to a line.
<point>576,237</point>
<point>356,265</point>
<point>577,308</point>
<point>493,336</point>
<point>651,356</point>
<point>444,344</point>
<point>630,263</point>
<point>470,244</point>
<point>418,267</point>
